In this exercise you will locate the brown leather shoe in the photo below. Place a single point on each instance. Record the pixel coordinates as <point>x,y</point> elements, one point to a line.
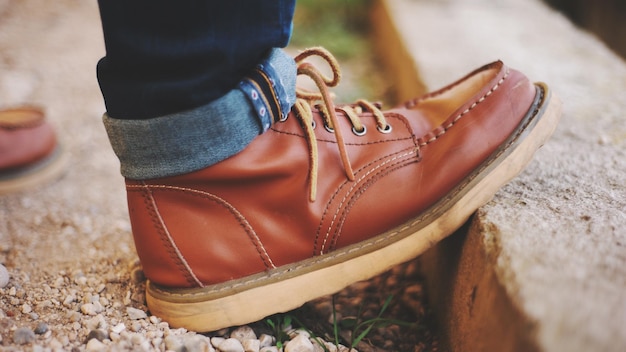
<point>331,195</point>
<point>29,152</point>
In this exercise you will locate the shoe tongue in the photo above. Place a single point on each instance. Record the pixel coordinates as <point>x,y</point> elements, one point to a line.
<point>421,121</point>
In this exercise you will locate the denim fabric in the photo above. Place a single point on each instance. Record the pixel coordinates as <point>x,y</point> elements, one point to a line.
<point>165,56</point>
<point>194,139</point>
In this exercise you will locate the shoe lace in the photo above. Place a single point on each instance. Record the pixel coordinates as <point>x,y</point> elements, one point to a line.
<point>322,101</point>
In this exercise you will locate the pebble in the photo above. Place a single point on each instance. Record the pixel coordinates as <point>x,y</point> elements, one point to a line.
<point>4,276</point>
<point>118,328</point>
<point>137,339</point>
<point>26,308</point>
<point>198,343</point>
<point>266,340</point>
<point>300,343</point>
<point>243,333</point>
<point>269,349</point>
<point>135,326</point>
<point>95,322</point>
<point>135,314</point>
<point>97,334</point>
<point>154,319</point>
<point>217,341</point>
<point>23,336</point>
<point>230,345</point>
<point>68,300</point>
<point>95,346</point>
<point>251,345</point>
<point>41,328</point>
<point>174,343</point>
<point>88,309</point>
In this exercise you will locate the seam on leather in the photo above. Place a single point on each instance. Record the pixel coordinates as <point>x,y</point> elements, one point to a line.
<point>256,241</point>
<point>356,184</point>
<point>423,143</point>
<point>165,236</point>
<point>336,193</point>
<point>170,239</point>
<point>388,169</point>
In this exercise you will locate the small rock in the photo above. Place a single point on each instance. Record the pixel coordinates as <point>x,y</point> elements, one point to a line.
<point>230,345</point>
<point>95,322</point>
<point>318,347</point>
<point>269,349</point>
<point>68,300</point>
<point>137,339</point>
<point>94,345</point>
<point>4,276</point>
<point>243,333</point>
<point>55,344</point>
<point>135,326</point>
<point>23,336</point>
<point>26,308</point>
<point>41,328</point>
<point>154,319</point>
<point>300,343</point>
<point>118,328</point>
<point>251,345</point>
<point>97,334</point>
<point>174,343</point>
<point>266,340</point>
<point>197,343</point>
<point>88,309</point>
<point>135,314</point>
<point>97,306</point>
<point>217,341</point>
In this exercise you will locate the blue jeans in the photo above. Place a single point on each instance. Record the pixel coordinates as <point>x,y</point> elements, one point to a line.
<point>190,83</point>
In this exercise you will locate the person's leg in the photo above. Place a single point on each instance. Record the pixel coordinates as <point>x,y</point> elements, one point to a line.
<point>164,57</point>
<point>190,83</point>
<point>325,196</point>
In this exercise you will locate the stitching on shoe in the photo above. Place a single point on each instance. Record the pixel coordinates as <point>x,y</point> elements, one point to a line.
<point>256,241</point>
<point>339,189</point>
<point>331,256</point>
<point>357,184</point>
<point>465,112</point>
<point>165,236</point>
<point>357,194</point>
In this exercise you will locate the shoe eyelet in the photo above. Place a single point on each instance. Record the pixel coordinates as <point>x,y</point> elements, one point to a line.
<point>283,117</point>
<point>313,124</point>
<point>385,130</point>
<point>359,133</point>
<point>329,129</point>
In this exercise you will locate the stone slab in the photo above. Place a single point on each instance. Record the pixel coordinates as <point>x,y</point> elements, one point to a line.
<point>543,266</point>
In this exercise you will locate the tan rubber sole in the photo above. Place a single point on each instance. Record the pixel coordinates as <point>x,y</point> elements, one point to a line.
<point>35,175</point>
<point>285,288</point>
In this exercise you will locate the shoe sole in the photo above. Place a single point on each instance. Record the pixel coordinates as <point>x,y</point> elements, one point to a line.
<point>285,288</point>
<point>34,175</point>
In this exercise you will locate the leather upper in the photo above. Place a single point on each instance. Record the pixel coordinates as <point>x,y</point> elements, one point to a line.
<point>252,212</point>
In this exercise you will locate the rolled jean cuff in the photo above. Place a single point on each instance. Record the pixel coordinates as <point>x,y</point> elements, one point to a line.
<point>192,140</point>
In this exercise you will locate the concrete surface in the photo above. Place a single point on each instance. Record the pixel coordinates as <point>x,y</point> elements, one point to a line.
<point>543,265</point>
